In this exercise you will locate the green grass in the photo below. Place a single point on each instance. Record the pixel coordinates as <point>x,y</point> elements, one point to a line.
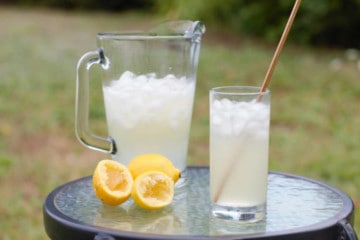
<point>314,123</point>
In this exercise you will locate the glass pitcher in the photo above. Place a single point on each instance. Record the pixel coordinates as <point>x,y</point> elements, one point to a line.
<point>148,83</point>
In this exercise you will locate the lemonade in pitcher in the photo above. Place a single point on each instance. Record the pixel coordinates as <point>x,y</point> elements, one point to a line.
<point>146,114</point>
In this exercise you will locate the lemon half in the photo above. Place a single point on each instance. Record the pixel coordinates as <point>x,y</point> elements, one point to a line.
<point>112,182</point>
<point>153,190</point>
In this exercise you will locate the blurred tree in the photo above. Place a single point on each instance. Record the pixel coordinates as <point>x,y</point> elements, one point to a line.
<point>320,22</point>
<point>110,5</point>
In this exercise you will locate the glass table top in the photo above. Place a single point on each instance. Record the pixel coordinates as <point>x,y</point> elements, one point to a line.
<point>293,203</point>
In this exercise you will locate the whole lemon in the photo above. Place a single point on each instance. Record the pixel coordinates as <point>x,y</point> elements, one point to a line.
<point>153,162</point>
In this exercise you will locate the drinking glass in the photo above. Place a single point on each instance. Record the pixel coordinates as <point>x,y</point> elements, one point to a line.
<point>239,146</point>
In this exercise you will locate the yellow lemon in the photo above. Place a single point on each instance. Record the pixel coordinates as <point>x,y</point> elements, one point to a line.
<point>153,162</point>
<point>153,190</point>
<point>112,182</point>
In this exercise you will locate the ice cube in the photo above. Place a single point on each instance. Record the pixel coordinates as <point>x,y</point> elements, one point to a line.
<point>126,76</point>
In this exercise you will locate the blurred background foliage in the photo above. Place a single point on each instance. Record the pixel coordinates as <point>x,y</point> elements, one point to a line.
<point>320,22</point>
<point>331,23</point>
<point>315,128</point>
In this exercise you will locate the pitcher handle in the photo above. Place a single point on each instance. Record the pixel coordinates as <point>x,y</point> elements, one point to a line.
<point>103,144</point>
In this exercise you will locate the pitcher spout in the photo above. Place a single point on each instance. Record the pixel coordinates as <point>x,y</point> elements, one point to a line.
<point>186,28</point>
<point>196,30</point>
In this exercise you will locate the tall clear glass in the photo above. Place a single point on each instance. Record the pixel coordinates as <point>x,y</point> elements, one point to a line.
<point>148,83</point>
<point>239,149</point>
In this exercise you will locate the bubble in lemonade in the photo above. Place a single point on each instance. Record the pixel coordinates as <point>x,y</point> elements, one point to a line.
<point>239,152</point>
<point>146,114</point>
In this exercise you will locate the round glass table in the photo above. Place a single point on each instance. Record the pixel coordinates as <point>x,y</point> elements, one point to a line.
<point>297,208</point>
